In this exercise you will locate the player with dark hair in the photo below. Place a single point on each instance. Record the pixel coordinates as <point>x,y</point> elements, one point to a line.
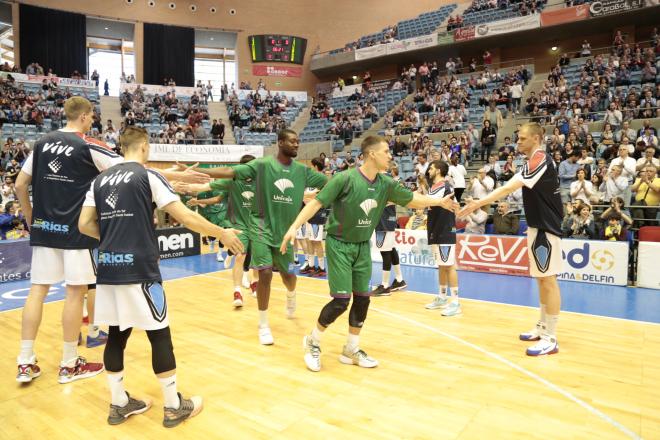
<point>358,197</point>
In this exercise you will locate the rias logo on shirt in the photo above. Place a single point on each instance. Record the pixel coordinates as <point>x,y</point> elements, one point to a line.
<point>282,185</point>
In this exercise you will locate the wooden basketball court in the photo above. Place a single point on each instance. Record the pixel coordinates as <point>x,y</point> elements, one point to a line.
<point>465,377</point>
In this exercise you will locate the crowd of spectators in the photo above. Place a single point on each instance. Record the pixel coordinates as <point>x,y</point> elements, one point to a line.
<point>389,34</point>
<point>259,112</point>
<point>520,7</point>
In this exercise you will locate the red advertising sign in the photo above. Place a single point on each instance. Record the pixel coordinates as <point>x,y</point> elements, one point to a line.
<point>464,33</point>
<point>287,71</point>
<point>565,15</point>
<point>492,253</point>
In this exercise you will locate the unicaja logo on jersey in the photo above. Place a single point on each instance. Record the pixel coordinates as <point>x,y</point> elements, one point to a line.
<point>247,195</point>
<point>55,165</point>
<point>112,198</point>
<point>282,185</point>
<point>368,205</point>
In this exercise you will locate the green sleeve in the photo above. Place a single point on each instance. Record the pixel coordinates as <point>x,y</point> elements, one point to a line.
<point>246,170</point>
<point>222,184</point>
<point>399,194</point>
<point>332,190</point>
<point>315,179</point>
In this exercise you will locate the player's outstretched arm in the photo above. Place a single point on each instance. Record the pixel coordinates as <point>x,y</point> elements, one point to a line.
<point>423,201</point>
<point>189,176</point>
<point>216,173</point>
<point>197,223</point>
<point>308,212</point>
<point>501,192</point>
<point>23,194</point>
<point>88,222</point>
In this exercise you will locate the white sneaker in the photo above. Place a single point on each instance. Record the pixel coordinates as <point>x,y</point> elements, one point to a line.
<point>546,345</point>
<point>534,334</point>
<point>246,281</point>
<point>358,357</point>
<point>219,258</point>
<point>438,303</point>
<point>453,309</point>
<point>312,354</point>
<point>290,305</point>
<point>265,336</point>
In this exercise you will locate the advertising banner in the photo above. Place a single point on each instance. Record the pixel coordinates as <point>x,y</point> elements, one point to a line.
<point>509,25</point>
<point>589,261</point>
<point>376,86</point>
<point>178,242</point>
<point>465,33</point>
<point>38,79</point>
<point>298,96</point>
<point>285,71</point>
<point>445,38</point>
<point>202,153</point>
<point>609,7</point>
<point>370,52</point>
<point>565,15</point>
<point>15,260</point>
<point>648,255</point>
<point>151,89</point>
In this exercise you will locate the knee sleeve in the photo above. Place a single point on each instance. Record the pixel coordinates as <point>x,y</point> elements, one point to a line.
<point>113,354</point>
<point>395,257</point>
<point>332,310</point>
<point>162,351</point>
<point>387,259</point>
<point>246,263</point>
<point>358,313</point>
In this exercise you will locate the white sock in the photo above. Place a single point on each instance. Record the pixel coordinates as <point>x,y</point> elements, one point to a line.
<point>69,352</point>
<point>93,331</point>
<point>169,392</point>
<point>454,294</point>
<point>316,335</point>
<point>352,343</point>
<point>237,289</point>
<point>310,260</point>
<point>117,390</point>
<point>386,278</point>
<point>263,318</point>
<point>85,314</point>
<point>321,263</point>
<point>551,324</point>
<point>26,355</point>
<point>397,272</point>
<point>543,315</point>
<point>211,245</point>
<point>443,292</point>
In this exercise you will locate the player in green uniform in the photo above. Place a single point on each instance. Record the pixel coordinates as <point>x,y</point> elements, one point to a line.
<point>239,195</point>
<point>279,183</point>
<point>213,208</point>
<point>357,197</point>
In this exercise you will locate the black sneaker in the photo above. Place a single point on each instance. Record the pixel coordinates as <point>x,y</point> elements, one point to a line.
<point>119,414</point>
<point>398,285</point>
<point>381,291</point>
<point>187,408</point>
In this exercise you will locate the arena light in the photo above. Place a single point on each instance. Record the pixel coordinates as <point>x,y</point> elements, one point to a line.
<point>553,48</point>
<point>354,76</point>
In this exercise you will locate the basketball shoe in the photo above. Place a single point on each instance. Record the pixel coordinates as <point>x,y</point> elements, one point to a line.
<point>80,370</point>
<point>546,345</point>
<point>358,357</point>
<point>534,334</point>
<point>312,354</point>
<point>119,414</point>
<point>187,408</point>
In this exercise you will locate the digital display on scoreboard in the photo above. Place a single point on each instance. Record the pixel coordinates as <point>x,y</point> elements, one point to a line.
<point>277,48</point>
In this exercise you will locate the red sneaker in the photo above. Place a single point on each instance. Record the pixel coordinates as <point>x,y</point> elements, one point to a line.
<point>81,370</point>
<point>253,288</point>
<point>238,299</point>
<point>27,372</point>
<point>319,273</point>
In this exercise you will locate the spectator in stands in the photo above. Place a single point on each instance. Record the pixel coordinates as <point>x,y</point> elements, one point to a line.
<point>417,222</point>
<point>399,148</point>
<point>614,184</point>
<point>649,73</point>
<point>586,49</point>
<point>616,206</point>
<point>628,164</point>
<point>10,218</point>
<point>581,189</point>
<point>488,137</point>
<point>493,166</point>
<point>422,164</point>
<point>647,125</point>
<point>625,131</point>
<point>648,159</point>
<point>613,116</point>
<point>218,132</point>
<point>648,137</point>
<point>647,196</point>
<point>567,172</point>
<point>615,230</point>
<point>481,184</point>
<point>476,221</point>
<point>516,91</point>
<point>8,190</point>
<point>509,169</point>
<point>456,176</point>
<point>504,221</point>
<point>596,194</point>
<point>579,223</point>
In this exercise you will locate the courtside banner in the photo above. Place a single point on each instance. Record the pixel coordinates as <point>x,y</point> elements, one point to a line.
<point>178,242</point>
<point>609,7</point>
<point>648,255</point>
<point>370,52</point>
<point>202,153</point>
<point>509,25</point>
<point>15,260</point>
<point>565,15</point>
<point>587,261</point>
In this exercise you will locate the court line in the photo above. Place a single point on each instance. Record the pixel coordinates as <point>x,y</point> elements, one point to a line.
<point>488,353</point>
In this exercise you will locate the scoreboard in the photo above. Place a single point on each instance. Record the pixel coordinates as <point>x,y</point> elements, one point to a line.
<point>277,48</point>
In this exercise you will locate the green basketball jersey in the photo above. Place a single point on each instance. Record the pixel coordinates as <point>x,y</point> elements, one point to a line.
<point>358,203</point>
<point>217,212</point>
<point>279,191</point>
<point>240,194</point>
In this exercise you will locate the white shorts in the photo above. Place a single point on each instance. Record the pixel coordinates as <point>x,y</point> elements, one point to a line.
<point>444,254</point>
<point>76,267</point>
<point>314,232</point>
<point>385,240</point>
<point>142,306</point>
<point>544,250</point>
<point>301,233</point>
